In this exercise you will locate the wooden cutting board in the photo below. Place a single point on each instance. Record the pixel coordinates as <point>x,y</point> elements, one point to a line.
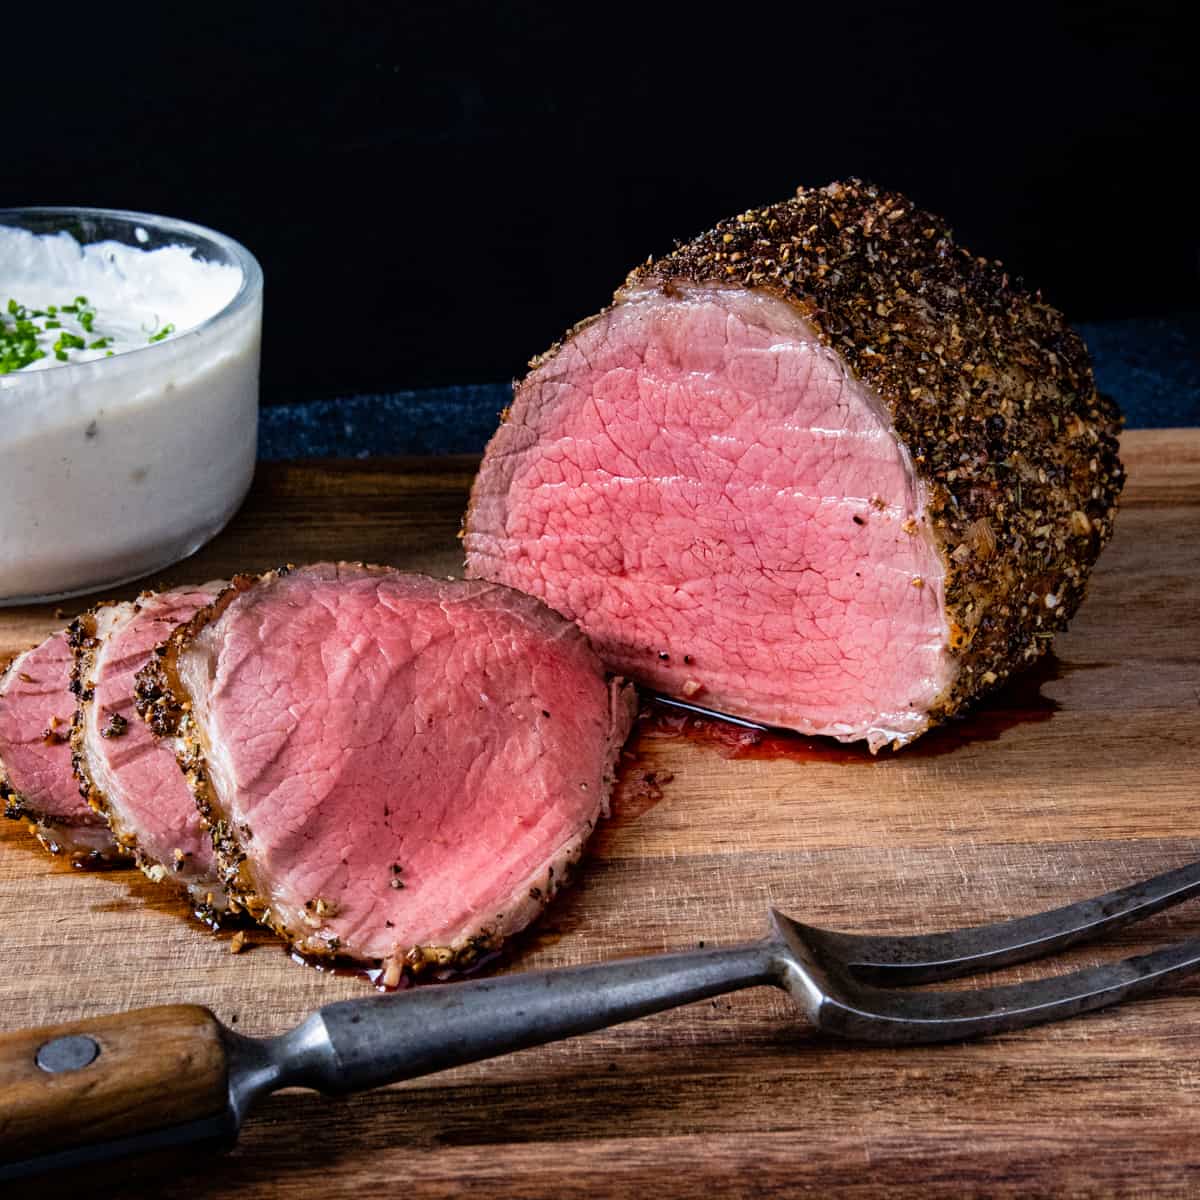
<point>1082,777</point>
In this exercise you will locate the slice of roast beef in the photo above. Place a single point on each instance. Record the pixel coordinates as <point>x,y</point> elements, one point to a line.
<point>36,782</point>
<point>396,769</point>
<point>128,774</point>
<point>820,467</point>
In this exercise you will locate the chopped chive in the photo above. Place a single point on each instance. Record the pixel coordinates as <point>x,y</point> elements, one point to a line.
<point>22,342</point>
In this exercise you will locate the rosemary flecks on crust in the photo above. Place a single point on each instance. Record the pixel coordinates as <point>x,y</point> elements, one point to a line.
<point>987,386</point>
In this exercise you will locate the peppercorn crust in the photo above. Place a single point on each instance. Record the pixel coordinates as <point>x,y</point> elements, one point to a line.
<point>988,388</point>
<point>163,703</point>
<point>81,637</point>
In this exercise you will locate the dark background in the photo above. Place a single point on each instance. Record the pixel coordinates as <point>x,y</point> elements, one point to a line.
<point>436,192</point>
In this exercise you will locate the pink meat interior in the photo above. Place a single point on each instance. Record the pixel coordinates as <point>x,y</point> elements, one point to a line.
<point>726,512</point>
<point>35,695</point>
<point>409,752</point>
<point>146,791</point>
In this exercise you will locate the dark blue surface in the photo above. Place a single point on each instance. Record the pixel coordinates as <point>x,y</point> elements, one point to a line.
<point>1151,365</point>
<point>454,420</point>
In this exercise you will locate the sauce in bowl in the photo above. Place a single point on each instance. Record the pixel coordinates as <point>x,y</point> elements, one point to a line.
<point>129,442</point>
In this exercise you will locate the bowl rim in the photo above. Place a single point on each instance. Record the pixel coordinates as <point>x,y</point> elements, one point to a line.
<point>249,290</point>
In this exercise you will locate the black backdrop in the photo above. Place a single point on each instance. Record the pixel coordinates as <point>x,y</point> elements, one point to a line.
<point>436,191</point>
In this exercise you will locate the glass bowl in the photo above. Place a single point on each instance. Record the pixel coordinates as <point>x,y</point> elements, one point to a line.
<point>118,467</point>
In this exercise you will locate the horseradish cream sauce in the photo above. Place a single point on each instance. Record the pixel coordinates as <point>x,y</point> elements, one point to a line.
<point>136,449</point>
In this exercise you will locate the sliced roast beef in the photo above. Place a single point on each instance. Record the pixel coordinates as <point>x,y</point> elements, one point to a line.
<point>128,774</point>
<point>395,768</point>
<point>36,782</point>
<point>821,467</point>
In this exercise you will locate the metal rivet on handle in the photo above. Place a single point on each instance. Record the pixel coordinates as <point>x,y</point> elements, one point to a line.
<point>67,1053</point>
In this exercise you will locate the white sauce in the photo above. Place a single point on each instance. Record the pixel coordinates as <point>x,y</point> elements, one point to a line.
<point>135,293</point>
<point>115,467</point>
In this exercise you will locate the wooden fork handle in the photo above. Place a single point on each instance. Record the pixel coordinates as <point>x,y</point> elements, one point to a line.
<point>107,1078</point>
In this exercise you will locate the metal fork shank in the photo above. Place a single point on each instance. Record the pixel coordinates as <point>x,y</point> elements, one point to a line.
<point>358,1044</point>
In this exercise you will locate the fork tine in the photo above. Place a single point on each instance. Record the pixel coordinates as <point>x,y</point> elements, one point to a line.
<point>927,958</point>
<point>882,1015</point>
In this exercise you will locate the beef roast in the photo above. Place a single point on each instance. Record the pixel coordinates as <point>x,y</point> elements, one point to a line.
<point>36,782</point>
<point>128,774</point>
<point>820,467</point>
<point>395,768</point>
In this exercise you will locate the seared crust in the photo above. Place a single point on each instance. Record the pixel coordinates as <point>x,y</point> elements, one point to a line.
<point>84,643</point>
<point>11,799</point>
<point>81,637</point>
<point>163,701</point>
<point>988,388</point>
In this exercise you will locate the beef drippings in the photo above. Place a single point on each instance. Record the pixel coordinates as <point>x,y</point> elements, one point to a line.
<point>346,968</point>
<point>1018,702</point>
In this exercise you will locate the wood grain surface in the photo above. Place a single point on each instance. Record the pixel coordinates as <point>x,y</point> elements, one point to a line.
<point>1078,778</point>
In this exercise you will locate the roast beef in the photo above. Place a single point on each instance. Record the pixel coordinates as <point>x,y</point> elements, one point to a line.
<point>821,467</point>
<point>36,783</point>
<point>396,769</point>
<point>126,772</point>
